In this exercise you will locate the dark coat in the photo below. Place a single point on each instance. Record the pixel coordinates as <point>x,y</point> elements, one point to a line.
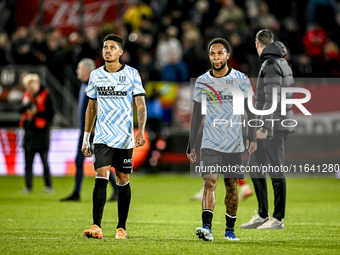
<point>37,127</point>
<point>274,72</point>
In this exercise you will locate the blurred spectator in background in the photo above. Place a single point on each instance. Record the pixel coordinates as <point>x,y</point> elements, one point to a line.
<point>154,126</point>
<point>20,49</point>
<point>5,14</point>
<point>179,11</point>
<point>201,8</point>
<point>314,41</point>
<point>302,66</point>
<point>252,8</point>
<point>267,20</point>
<point>166,22</point>
<point>147,68</point>
<point>133,15</point>
<point>225,29</point>
<point>147,33</point>
<point>334,33</point>
<point>291,36</point>
<point>75,50</point>
<point>176,70</point>
<point>331,66</point>
<point>12,96</point>
<point>200,15</point>
<point>167,43</point>
<point>238,58</point>
<point>322,12</point>
<point>208,20</point>
<point>192,50</point>
<point>158,8</point>
<point>4,42</point>
<point>84,69</point>
<point>55,58</point>
<point>37,115</point>
<point>231,12</point>
<point>92,43</point>
<point>39,47</point>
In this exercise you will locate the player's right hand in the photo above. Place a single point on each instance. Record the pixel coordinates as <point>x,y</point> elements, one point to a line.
<point>192,156</point>
<point>85,148</point>
<point>252,147</point>
<point>140,139</point>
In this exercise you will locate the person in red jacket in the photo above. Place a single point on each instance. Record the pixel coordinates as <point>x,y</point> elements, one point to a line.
<point>314,41</point>
<point>37,114</point>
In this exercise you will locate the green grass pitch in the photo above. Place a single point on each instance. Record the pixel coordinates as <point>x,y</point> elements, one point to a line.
<point>162,220</point>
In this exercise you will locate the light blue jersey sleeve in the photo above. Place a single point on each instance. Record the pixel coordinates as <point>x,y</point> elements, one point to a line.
<point>137,85</point>
<point>91,89</point>
<point>245,86</point>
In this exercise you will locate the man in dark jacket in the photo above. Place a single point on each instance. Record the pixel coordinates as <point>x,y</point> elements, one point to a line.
<point>37,114</point>
<point>275,73</point>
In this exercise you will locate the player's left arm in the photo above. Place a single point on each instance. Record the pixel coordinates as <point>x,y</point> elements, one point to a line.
<point>251,143</point>
<point>90,118</point>
<point>195,123</point>
<point>141,114</point>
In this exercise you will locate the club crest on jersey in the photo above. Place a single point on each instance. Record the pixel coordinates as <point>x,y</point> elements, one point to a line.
<point>122,79</point>
<point>229,82</point>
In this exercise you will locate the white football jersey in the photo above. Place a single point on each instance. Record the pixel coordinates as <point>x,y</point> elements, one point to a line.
<point>222,129</point>
<point>114,93</point>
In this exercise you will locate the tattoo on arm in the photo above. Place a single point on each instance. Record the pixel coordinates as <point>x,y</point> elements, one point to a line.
<point>141,112</point>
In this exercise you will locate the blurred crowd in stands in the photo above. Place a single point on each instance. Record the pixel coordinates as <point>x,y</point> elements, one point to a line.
<point>166,40</point>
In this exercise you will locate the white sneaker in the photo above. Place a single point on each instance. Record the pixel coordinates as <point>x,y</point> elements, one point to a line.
<point>49,190</point>
<point>198,196</point>
<point>26,190</point>
<point>255,222</point>
<point>272,223</point>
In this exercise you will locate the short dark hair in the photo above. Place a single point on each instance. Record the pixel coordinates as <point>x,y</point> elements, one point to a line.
<point>265,37</point>
<point>222,41</point>
<point>116,38</point>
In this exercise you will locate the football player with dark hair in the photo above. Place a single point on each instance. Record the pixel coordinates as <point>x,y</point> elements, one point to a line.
<point>111,90</point>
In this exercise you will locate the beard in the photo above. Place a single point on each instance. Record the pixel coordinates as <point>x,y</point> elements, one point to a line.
<point>108,61</point>
<point>220,68</point>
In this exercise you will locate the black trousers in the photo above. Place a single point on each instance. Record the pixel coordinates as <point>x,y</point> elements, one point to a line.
<point>270,151</point>
<point>29,157</point>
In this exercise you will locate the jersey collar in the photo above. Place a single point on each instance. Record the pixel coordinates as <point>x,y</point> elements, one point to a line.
<point>120,69</point>
<point>212,74</point>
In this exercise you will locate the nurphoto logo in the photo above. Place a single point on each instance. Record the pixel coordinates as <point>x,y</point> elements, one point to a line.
<point>237,97</point>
